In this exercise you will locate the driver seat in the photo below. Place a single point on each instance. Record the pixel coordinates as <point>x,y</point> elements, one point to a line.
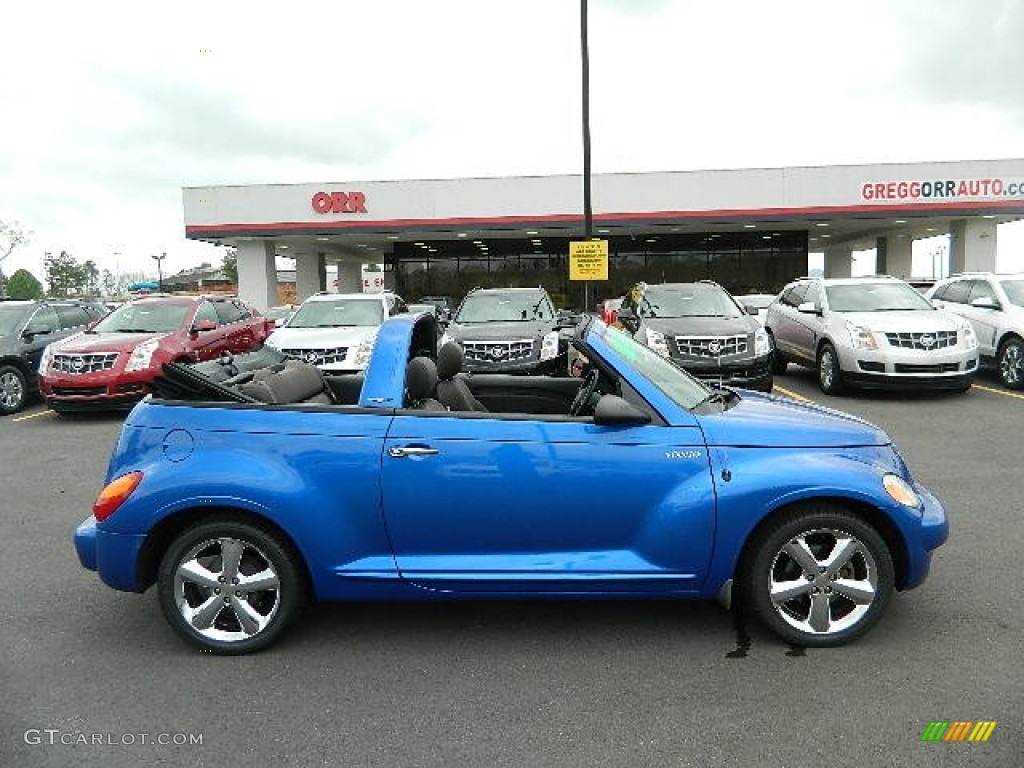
<point>452,389</point>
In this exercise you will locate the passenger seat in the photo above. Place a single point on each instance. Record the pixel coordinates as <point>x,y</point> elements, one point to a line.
<point>297,382</point>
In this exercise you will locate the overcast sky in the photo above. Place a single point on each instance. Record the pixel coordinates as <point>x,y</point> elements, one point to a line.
<point>107,109</point>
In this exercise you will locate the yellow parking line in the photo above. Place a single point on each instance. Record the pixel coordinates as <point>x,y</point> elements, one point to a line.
<point>33,415</point>
<point>1002,392</point>
<point>790,393</point>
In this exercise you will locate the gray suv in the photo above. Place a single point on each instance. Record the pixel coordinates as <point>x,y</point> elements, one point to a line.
<point>871,332</point>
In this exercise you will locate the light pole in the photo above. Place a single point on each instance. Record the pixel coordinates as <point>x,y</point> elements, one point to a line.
<point>588,214</point>
<point>159,258</point>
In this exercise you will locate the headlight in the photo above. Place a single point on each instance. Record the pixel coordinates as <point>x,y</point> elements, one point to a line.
<point>861,337</point>
<point>142,356</point>
<point>656,341</point>
<point>900,491</point>
<point>44,361</point>
<point>970,338</point>
<point>549,346</point>
<point>762,344</point>
<point>363,352</point>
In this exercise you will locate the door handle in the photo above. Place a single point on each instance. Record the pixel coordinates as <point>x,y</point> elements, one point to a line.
<point>400,453</point>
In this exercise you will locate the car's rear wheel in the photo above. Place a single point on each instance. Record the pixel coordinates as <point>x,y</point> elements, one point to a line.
<point>820,576</point>
<point>1011,363</point>
<point>13,390</point>
<point>830,376</point>
<point>230,587</point>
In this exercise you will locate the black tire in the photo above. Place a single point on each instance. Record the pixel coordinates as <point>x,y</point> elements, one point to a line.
<point>1011,363</point>
<point>13,389</point>
<point>259,552</point>
<point>816,530</point>
<point>830,375</point>
<point>779,361</point>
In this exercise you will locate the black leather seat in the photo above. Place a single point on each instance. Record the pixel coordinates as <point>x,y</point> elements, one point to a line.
<point>452,391</point>
<point>420,385</point>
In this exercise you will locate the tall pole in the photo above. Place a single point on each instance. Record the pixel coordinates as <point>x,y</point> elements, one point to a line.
<point>588,213</point>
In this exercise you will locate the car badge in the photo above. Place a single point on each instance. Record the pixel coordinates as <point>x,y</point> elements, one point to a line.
<point>714,347</point>
<point>77,364</point>
<point>497,352</point>
<point>927,341</point>
<point>311,357</point>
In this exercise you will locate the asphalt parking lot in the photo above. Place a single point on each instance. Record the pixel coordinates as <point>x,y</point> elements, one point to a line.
<point>521,683</point>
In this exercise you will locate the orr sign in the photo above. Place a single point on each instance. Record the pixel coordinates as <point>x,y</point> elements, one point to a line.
<point>588,260</point>
<point>339,202</point>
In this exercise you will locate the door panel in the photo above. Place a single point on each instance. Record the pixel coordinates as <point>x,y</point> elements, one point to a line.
<point>531,506</point>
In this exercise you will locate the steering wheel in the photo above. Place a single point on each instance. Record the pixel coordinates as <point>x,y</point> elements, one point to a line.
<point>585,392</point>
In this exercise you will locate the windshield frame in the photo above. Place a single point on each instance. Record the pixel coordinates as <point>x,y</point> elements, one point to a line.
<point>1015,295</point>
<point>111,322</point>
<point>20,314</point>
<point>918,302</point>
<point>322,308</point>
<point>713,297</point>
<point>538,301</point>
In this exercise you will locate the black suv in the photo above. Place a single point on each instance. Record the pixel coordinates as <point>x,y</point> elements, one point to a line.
<point>26,327</point>
<point>705,331</point>
<point>509,330</point>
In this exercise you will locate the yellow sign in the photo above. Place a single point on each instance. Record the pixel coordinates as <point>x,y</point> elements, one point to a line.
<point>588,260</point>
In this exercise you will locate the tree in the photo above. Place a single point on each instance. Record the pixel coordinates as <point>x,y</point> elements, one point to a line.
<point>92,278</point>
<point>109,283</point>
<point>23,285</point>
<point>230,265</point>
<point>11,236</point>
<point>64,275</point>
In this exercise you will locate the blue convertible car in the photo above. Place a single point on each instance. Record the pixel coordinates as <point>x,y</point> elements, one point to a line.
<point>243,487</point>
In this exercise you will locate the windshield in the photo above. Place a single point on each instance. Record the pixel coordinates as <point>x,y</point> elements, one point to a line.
<point>504,308</point>
<point>695,300</point>
<point>673,381</point>
<point>11,317</point>
<point>144,318</point>
<point>875,297</point>
<point>1014,291</point>
<point>338,313</point>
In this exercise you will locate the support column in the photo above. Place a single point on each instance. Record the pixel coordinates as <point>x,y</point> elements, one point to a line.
<point>310,276</point>
<point>257,273</point>
<point>972,246</point>
<point>839,261</point>
<point>895,255</point>
<point>350,276</point>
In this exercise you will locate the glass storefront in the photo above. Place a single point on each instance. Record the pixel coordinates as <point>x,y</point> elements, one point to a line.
<point>743,262</point>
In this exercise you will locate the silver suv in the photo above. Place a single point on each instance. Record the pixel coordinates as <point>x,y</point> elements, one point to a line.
<point>994,304</point>
<point>871,332</point>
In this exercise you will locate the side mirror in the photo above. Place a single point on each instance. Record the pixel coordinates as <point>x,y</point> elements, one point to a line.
<point>31,331</point>
<point>204,325</point>
<point>986,302</point>
<point>613,411</point>
<point>808,308</point>
<point>627,319</point>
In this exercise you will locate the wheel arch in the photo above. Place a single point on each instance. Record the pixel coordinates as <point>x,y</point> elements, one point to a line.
<point>169,528</point>
<point>1006,338</point>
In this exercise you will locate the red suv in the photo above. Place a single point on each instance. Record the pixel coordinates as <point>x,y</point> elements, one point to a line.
<point>113,363</point>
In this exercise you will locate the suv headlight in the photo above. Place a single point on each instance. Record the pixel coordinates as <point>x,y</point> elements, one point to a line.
<point>44,361</point>
<point>142,355</point>
<point>762,343</point>
<point>656,341</point>
<point>363,352</point>
<point>970,337</point>
<point>549,346</point>
<point>861,337</point>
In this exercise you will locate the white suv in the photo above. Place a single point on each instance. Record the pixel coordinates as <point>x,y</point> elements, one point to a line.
<point>336,331</point>
<point>994,304</point>
<point>871,332</point>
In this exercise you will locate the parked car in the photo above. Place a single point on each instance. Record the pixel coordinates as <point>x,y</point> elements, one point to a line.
<point>433,309</point>
<point>281,314</point>
<point>637,481</point>
<point>756,304</point>
<point>112,364</point>
<point>26,328</point>
<point>702,328</point>
<point>444,304</point>
<point>510,330</point>
<point>871,332</point>
<point>994,305</point>
<point>336,331</point>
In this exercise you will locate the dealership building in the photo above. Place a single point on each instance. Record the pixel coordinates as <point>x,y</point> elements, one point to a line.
<point>749,229</point>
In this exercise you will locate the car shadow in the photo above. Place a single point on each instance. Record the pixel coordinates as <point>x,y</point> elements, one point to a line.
<point>808,378</point>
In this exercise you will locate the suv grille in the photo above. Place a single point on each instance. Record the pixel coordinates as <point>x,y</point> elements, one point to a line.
<point>711,346</point>
<point>498,351</point>
<point>78,364</point>
<point>925,341</point>
<point>328,356</point>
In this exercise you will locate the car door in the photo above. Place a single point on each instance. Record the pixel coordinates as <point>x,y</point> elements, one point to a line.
<point>41,329</point>
<point>207,344</point>
<point>534,504</point>
<point>985,320</point>
<point>790,326</point>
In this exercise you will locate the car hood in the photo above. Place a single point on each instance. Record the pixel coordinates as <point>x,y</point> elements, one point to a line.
<point>87,343</point>
<point>701,326</point>
<point>320,338</point>
<point>760,420</point>
<point>493,331</point>
<point>905,321</point>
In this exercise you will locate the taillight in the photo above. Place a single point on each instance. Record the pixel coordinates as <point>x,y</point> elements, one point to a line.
<point>115,494</point>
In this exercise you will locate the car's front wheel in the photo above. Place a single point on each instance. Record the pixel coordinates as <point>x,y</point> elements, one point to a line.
<point>820,576</point>
<point>830,375</point>
<point>230,587</point>
<point>1011,363</point>
<point>13,390</point>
